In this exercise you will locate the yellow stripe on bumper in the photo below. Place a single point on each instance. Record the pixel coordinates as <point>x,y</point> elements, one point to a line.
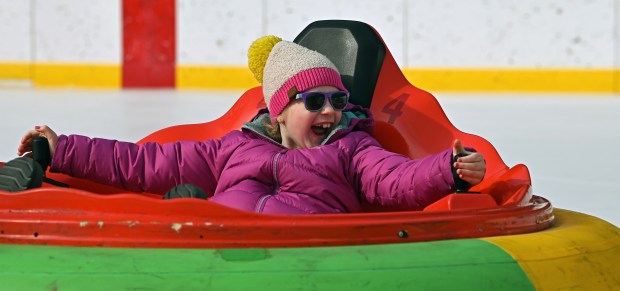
<point>579,252</point>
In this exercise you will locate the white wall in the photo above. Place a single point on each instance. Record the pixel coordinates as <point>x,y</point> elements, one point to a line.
<point>420,33</point>
<point>216,32</point>
<point>523,33</point>
<point>15,31</point>
<point>220,31</point>
<point>289,18</point>
<point>77,31</point>
<point>616,40</point>
<point>61,31</point>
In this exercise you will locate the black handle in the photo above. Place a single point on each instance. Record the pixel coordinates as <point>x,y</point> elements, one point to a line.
<point>41,154</point>
<point>461,185</point>
<point>41,151</point>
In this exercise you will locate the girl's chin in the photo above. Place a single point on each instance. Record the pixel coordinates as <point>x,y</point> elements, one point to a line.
<point>317,139</point>
<point>309,144</point>
<point>311,140</point>
<point>315,144</point>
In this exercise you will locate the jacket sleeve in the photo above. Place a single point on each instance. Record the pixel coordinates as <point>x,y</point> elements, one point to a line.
<point>150,167</point>
<point>394,180</point>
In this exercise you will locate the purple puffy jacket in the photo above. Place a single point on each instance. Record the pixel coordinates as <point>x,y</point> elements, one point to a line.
<point>246,170</point>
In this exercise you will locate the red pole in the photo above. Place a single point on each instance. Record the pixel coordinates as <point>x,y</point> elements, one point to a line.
<point>149,43</point>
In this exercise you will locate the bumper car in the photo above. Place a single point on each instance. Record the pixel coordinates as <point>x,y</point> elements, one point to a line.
<point>497,236</point>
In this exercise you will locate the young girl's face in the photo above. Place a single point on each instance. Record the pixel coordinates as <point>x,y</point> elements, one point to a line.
<point>301,128</point>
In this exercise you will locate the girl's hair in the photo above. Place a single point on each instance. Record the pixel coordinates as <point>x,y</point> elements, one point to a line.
<point>273,131</point>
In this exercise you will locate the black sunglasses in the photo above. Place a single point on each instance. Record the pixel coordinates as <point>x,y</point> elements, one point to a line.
<point>315,101</point>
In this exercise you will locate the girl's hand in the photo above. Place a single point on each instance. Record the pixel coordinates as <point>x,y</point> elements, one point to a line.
<point>25,145</point>
<point>470,168</point>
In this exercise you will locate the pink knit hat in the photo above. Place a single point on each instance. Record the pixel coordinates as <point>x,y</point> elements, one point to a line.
<point>282,65</point>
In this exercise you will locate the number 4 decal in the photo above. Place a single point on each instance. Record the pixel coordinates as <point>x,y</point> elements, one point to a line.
<point>394,107</point>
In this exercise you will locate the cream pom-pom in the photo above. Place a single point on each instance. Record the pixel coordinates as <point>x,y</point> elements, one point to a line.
<point>258,54</point>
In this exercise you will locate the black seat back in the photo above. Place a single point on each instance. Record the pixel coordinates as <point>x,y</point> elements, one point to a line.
<point>356,50</point>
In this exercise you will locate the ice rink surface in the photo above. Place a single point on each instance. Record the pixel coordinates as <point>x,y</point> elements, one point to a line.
<point>568,141</point>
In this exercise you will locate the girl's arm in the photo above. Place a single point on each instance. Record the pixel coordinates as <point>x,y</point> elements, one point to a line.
<point>150,167</point>
<point>394,180</point>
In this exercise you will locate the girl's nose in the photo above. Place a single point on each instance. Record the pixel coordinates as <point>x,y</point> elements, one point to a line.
<point>327,109</point>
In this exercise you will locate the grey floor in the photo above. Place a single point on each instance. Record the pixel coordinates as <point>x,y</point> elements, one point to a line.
<point>567,140</point>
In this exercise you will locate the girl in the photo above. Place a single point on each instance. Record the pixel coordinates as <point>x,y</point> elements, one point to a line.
<point>312,152</point>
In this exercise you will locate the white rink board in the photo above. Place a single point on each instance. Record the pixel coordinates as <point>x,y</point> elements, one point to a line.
<point>419,33</point>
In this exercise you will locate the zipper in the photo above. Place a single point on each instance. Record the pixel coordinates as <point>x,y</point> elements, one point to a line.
<point>261,203</point>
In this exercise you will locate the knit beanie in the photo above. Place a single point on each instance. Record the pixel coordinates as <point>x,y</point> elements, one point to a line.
<point>283,65</point>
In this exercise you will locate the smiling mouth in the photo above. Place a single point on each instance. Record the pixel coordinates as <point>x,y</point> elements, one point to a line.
<point>322,129</point>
